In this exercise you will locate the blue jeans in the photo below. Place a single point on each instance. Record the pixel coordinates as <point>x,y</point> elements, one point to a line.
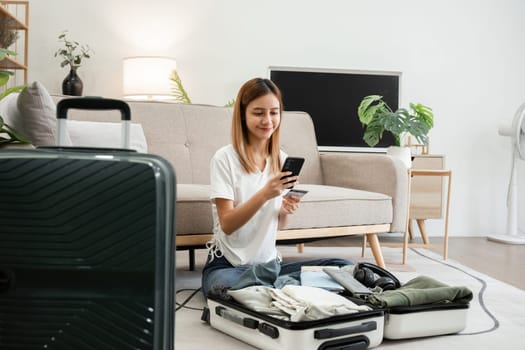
<point>219,274</point>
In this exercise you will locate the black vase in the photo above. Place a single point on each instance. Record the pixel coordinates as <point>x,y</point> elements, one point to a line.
<point>72,85</point>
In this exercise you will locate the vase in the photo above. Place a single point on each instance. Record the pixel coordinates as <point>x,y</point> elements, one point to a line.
<point>72,85</point>
<point>401,153</point>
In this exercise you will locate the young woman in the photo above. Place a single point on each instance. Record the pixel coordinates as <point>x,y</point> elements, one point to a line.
<point>247,188</point>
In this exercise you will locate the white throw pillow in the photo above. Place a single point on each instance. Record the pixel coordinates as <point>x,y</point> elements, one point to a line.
<point>8,109</point>
<point>36,117</point>
<point>105,135</point>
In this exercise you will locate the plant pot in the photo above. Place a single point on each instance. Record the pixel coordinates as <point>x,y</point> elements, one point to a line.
<point>72,85</point>
<point>401,153</point>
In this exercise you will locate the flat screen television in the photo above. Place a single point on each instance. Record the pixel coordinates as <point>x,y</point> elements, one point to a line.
<point>331,97</point>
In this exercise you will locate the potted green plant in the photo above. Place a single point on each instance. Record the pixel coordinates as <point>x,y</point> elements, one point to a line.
<point>7,134</point>
<point>377,117</point>
<point>72,54</point>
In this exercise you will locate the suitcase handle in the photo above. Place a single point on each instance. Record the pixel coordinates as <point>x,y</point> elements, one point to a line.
<point>337,332</point>
<point>93,103</point>
<point>247,322</point>
<point>231,316</point>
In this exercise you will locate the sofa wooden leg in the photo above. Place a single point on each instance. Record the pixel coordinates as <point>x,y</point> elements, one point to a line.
<point>410,229</point>
<point>300,247</point>
<point>191,253</point>
<point>423,230</point>
<point>376,249</point>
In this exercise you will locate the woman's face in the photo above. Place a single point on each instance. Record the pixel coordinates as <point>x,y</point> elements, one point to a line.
<point>263,116</point>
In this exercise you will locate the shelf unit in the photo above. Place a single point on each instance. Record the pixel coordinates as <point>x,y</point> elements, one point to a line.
<point>16,15</point>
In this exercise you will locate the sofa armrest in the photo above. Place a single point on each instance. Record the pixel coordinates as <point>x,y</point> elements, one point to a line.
<point>371,172</point>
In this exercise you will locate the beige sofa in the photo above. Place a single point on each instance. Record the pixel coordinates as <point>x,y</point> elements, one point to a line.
<point>349,193</point>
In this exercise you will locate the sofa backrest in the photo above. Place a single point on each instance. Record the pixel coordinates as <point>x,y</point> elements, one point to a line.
<point>187,135</point>
<point>298,140</point>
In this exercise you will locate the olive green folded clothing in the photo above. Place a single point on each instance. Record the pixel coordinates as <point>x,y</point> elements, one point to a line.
<point>420,291</point>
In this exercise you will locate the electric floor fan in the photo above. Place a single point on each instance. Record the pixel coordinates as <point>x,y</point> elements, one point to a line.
<point>516,132</point>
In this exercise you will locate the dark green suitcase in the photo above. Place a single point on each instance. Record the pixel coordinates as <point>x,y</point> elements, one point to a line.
<point>86,249</point>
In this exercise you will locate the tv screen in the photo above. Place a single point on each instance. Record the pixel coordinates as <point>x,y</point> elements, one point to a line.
<point>331,97</point>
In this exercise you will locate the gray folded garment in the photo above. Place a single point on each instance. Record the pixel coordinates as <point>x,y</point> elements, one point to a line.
<point>420,291</point>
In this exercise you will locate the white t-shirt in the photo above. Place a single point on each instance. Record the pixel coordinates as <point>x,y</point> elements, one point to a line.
<point>254,242</point>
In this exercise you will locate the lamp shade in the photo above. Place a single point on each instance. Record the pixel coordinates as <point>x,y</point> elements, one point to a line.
<point>147,77</point>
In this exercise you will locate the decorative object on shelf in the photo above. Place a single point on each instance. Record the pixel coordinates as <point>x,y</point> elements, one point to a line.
<point>72,54</point>
<point>72,84</point>
<point>148,78</point>
<point>7,134</point>
<point>14,19</point>
<point>377,117</point>
<point>418,148</point>
<point>7,35</point>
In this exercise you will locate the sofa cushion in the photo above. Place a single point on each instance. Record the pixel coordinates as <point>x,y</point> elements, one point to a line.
<point>322,206</point>
<point>193,209</point>
<point>37,116</point>
<point>331,206</point>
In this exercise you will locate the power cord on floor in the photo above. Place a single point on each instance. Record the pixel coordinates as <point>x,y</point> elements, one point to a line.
<point>187,300</point>
<point>480,294</point>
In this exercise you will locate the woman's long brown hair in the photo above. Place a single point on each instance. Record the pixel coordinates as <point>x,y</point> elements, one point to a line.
<point>248,92</point>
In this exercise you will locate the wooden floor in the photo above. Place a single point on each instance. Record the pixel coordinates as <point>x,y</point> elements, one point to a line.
<point>501,261</point>
<point>505,262</point>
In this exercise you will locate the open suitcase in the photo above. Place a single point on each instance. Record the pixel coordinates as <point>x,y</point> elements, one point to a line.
<point>362,330</point>
<point>86,246</point>
<point>358,331</point>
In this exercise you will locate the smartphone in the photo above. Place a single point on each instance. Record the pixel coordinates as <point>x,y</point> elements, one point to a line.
<point>296,193</point>
<point>293,164</point>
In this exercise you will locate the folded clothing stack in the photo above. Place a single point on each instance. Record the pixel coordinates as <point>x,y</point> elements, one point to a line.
<point>295,303</point>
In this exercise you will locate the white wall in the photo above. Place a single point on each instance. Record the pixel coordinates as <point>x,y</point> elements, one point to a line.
<point>463,58</point>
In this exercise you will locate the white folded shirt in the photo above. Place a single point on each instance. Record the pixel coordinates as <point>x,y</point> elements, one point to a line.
<point>299,303</point>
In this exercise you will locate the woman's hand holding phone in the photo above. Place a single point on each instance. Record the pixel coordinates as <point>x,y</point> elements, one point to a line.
<point>284,180</point>
<point>293,165</point>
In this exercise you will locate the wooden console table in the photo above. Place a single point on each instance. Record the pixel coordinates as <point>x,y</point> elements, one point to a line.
<point>426,201</point>
<point>428,173</point>
<point>426,194</point>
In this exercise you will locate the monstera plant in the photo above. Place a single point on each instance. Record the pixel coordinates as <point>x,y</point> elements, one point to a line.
<point>7,134</point>
<point>378,117</point>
